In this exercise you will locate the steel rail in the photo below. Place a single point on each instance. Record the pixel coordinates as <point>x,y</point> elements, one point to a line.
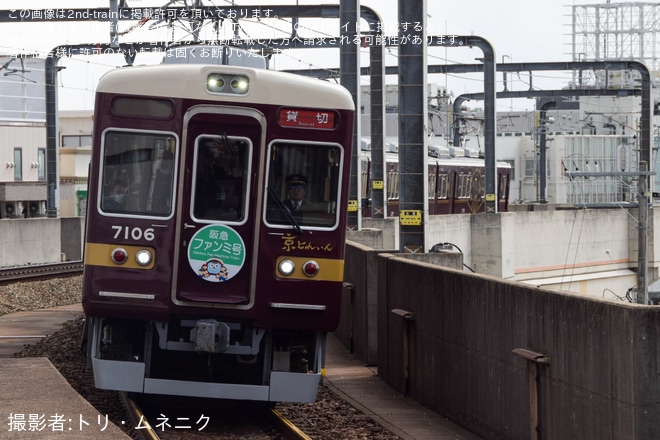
<point>40,271</point>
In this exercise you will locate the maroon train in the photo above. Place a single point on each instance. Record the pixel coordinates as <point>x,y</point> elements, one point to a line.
<point>198,279</point>
<point>455,183</point>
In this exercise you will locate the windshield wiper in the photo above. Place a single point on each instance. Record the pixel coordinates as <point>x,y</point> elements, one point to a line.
<point>234,152</point>
<point>292,221</point>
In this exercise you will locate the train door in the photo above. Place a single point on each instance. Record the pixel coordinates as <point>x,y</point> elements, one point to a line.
<point>216,213</point>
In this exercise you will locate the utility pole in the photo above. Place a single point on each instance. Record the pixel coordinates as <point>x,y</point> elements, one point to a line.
<point>642,238</point>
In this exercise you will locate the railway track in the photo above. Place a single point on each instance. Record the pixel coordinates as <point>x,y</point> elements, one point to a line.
<point>136,417</point>
<point>40,271</point>
<point>165,417</point>
<point>287,426</point>
<point>329,418</point>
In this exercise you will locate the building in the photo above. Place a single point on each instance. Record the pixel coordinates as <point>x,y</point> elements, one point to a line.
<point>23,187</point>
<point>22,137</point>
<point>75,140</point>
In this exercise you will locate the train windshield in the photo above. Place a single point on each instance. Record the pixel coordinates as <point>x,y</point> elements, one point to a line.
<point>303,184</point>
<point>138,173</point>
<point>220,183</point>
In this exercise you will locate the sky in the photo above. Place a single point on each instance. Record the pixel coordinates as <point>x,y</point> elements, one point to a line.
<point>519,31</point>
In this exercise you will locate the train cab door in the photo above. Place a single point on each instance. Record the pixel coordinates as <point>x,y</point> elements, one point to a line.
<point>216,214</point>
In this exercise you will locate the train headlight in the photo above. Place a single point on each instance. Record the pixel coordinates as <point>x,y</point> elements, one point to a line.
<point>119,256</point>
<point>215,82</point>
<point>221,83</point>
<point>286,267</point>
<point>310,268</point>
<point>239,84</point>
<point>143,257</point>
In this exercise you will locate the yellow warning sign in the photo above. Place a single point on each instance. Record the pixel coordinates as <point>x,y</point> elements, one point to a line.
<point>410,217</point>
<point>352,206</point>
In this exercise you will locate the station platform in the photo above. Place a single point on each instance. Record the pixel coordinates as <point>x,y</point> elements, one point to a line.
<point>360,385</point>
<point>32,387</point>
<point>38,403</point>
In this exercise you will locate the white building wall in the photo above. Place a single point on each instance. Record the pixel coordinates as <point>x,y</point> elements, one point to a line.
<point>75,122</point>
<point>29,139</point>
<point>74,160</point>
<point>567,242</point>
<point>508,149</point>
<point>592,252</point>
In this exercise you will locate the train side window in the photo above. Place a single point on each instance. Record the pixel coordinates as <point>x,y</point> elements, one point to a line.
<point>138,173</point>
<point>431,189</point>
<point>502,186</point>
<point>443,185</point>
<point>220,182</point>
<point>364,184</point>
<point>393,185</point>
<point>463,186</point>
<point>308,170</point>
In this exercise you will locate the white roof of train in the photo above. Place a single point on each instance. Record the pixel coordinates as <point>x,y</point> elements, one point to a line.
<point>189,81</point>
<point>457,161</point>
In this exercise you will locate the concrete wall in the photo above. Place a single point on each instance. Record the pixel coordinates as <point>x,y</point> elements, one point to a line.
<point>40,240</point>
<point>388,227</point>
<point>73,238</point>
<point>456,353</point>
<point>537,244</point>
<point>358,328</point>
<point>29,241</point>
<point>588,251</point>
<point>453,229</point>
<point>549,243</point>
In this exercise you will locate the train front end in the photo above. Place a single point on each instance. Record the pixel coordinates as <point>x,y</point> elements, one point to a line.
<point>200,277</point>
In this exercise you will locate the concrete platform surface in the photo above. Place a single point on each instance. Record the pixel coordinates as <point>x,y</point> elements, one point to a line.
<point>38,403</point>
<point>362,387</point>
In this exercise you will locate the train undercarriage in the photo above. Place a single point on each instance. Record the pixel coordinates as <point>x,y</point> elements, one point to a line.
<point>205,358</point>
